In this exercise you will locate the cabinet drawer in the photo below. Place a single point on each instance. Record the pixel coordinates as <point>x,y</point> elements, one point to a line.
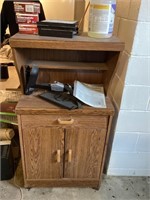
<point>55,120</point>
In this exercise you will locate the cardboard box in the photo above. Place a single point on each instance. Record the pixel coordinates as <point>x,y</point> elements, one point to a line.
<point>28,28</point>
<point>27,18</point>
<point>27,7</point>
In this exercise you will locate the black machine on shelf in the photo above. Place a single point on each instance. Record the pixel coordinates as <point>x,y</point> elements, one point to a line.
<point>57,93</point>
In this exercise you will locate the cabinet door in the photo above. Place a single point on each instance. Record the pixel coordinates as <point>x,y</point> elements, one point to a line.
<point>83,152</point>
<point>43,152</point>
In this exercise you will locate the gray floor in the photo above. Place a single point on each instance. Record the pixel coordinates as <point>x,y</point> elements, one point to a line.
<point>116,188</point>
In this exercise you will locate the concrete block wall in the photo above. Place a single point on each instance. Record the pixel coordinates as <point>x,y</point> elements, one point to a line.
<point>131,91</point>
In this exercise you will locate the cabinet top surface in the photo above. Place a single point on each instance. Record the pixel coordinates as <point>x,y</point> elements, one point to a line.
<point>32,104</point>
<point>82,42</point>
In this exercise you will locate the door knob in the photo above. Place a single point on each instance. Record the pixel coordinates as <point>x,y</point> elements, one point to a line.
<point>58,156</point>
<point>69,155</point>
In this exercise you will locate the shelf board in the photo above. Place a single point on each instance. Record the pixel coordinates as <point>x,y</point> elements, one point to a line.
<point>79,42</point>
<point>86,66</point>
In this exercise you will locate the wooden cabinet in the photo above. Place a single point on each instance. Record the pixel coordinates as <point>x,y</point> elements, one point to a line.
<point>63,147</point>
<point>84,150</point>
<point>72,151</point>
<point>44,144</point>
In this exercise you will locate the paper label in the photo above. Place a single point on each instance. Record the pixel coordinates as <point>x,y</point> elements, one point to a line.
<point>101,18</point>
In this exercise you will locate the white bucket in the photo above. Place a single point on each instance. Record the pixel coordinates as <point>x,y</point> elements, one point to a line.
<point>101,18</point>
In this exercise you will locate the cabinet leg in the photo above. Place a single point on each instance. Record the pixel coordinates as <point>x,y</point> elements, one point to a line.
<point>28,188</point>
<point>96,188</point>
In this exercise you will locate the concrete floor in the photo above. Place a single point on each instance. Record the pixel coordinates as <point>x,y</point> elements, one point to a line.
<point>116,188</point>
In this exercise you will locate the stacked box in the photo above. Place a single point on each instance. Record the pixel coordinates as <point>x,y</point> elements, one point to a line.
<point>27,7</point>
<point>27,16</point>
<point>23,18</point>
<point>58,28</point>
<point>28,29</point>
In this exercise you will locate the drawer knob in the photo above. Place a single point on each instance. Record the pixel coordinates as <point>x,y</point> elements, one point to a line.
<point>68,121</point>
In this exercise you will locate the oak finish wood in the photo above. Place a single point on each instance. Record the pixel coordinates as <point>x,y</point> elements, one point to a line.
<point>80,58</point>
<point>41,154</point>
<point>68,65</point>
<point>62,183</point>
<point>86,145</point>
<point>43,107</point>
<point>61,147</point>
<point>42,136</point>
<point>82,42</point>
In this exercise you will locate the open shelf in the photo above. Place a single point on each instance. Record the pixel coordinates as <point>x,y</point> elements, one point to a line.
<point>82,58</point>
<point>68,65</point>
